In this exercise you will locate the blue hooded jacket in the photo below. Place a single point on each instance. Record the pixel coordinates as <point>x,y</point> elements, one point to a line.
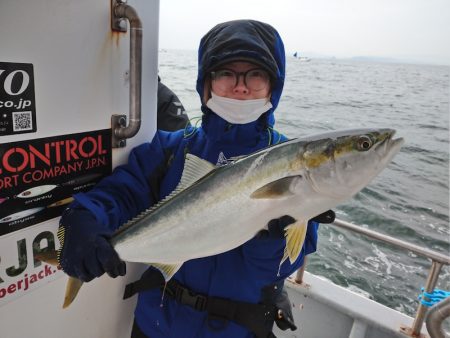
<point>154,170</point>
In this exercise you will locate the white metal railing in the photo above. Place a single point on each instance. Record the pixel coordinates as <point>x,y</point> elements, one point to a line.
<point>437,261</point>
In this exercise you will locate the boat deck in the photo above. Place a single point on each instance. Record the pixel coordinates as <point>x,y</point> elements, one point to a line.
<point>324,310</point>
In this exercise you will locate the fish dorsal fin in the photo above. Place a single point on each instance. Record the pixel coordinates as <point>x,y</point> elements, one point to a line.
<point>277,189</point>
<point>167,270</point>
<point>194,169</point>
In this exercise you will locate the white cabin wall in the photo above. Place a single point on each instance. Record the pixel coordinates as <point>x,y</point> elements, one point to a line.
<point>80,80</point>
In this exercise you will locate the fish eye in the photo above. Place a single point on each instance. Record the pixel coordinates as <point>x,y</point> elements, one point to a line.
<point>364,143</point>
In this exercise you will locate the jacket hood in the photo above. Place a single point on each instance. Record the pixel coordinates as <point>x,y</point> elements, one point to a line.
<point>249,40</point>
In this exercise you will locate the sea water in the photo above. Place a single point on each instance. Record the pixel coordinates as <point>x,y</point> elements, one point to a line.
<point>409,200</point>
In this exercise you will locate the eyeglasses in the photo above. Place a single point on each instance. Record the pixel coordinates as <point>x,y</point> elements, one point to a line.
<point>254,79</point>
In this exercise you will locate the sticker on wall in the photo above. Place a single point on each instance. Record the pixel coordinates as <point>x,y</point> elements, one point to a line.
<point>38,177</point>
<point>20,270</point>
<point>17,99</point>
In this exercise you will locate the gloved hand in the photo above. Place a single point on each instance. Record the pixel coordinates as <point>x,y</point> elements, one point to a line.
<point>284,318</point>
<point>325,218</point>
<point>276,294</point>
<point>85,252</point>
<point>275,227</point>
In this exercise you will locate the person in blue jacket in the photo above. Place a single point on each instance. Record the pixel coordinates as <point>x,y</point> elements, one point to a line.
<point>241,71</point>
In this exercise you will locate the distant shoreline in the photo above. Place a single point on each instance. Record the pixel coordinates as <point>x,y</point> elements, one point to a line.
<point>361,58</point>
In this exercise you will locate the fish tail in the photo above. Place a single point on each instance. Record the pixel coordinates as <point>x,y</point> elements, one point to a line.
<point>49,257</point>
<point>73,284</point>
<point>72,287</point>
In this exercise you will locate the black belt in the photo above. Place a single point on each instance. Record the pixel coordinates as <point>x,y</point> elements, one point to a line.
<point>257,318</point>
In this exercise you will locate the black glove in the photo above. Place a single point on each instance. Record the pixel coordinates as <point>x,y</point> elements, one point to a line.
<point>284,319</point>
<point>275,227</point>
<point>325,218</point>
<point>276,294</point>
<point>85,251</point>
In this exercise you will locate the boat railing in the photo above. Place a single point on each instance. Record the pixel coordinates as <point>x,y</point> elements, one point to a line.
<point>437,261</point>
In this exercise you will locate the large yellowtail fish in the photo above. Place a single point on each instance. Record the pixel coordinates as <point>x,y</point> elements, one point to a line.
<point>215,209</point>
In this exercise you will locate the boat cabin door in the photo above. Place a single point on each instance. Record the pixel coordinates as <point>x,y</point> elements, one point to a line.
<point>66,67</point>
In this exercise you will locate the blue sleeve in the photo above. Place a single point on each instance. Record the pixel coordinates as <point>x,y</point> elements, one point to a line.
<point>132,187</point>
<point>263,255</point>
<point>277,137</point>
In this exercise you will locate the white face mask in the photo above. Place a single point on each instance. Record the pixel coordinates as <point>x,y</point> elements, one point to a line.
<point>238,111</point>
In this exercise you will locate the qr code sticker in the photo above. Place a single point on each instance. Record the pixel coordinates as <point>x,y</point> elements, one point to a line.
<point>22,121</point>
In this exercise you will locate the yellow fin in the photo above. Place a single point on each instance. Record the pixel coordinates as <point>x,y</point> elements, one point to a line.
<point>295,237</point>
<point>73,284</point>
<point>168,270</point>
<point>72,287</point>
<point>276,189</point>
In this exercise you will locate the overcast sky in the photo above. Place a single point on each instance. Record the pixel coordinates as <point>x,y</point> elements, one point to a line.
<point>414,30</point>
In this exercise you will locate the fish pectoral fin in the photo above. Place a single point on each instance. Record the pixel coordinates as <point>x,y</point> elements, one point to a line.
<point>167,270</point>
<point>295,237</point>
<point>50,257</point>
<point>72,287</point>
<point>276,189</point>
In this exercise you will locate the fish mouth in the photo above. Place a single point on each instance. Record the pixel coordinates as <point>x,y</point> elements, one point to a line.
<point>397,143</point>
<point>389,147</point>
